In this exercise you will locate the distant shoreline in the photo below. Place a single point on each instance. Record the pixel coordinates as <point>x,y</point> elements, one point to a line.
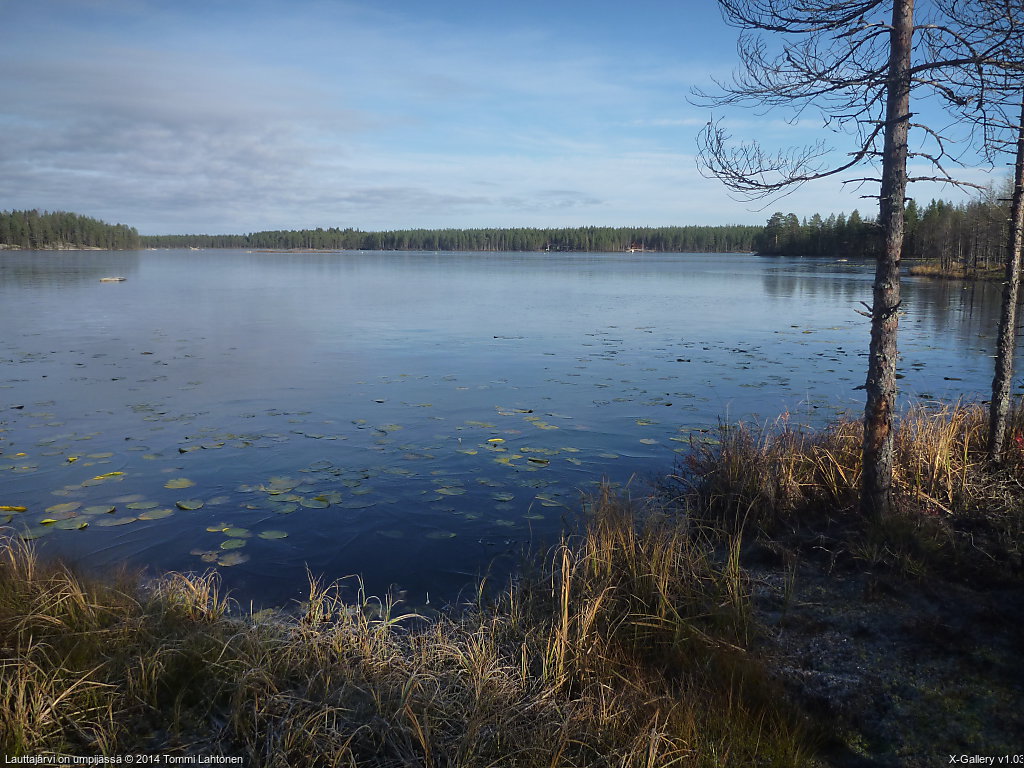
<point>62,247</point>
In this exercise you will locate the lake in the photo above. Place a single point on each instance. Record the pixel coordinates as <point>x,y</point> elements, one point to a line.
<point>413,418</point>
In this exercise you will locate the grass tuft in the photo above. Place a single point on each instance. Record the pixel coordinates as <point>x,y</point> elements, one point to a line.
<point>627,646</point>
<point>954,511</point>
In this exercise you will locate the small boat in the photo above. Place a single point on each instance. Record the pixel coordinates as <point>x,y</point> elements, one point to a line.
<point>113,279</point>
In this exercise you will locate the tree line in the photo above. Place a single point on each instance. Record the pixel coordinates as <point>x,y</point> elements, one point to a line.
<point>971,234</point>
<point>60,229</point>
<point>697,239</point>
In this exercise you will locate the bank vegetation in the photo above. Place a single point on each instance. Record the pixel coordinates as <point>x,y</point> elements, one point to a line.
<point>60,230</point>
<point>640,640</point>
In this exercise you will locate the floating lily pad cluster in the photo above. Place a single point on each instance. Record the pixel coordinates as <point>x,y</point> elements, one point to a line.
<point>503,499</point>
<point>495,475</point>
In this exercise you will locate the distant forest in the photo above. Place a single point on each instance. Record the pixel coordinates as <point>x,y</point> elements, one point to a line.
<point>32,229</point>
<point>697,239</point>
<point>971,234</point>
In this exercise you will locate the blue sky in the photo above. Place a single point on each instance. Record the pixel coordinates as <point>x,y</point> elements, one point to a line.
<point>216,116</point>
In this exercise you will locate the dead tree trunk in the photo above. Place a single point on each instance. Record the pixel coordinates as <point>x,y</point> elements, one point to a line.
<point>1000,408</point>
<point>876,498</point>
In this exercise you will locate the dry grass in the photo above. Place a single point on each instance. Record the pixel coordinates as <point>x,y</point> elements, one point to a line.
<point>627,645</point>
<point>625,648</point>
<point>955,271</point>
<point>953,508</point>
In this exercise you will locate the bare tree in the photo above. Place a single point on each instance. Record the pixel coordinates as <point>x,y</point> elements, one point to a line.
<point>856,64</point>
<point>999,410</point>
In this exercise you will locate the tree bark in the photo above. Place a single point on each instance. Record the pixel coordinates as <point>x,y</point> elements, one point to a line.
<point>1000,409</point>
<point>876,496</point>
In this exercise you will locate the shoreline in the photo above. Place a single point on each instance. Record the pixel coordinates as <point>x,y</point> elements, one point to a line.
<point>744,613</point>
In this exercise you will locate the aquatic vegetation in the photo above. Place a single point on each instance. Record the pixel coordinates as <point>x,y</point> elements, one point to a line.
<point>272,535</point>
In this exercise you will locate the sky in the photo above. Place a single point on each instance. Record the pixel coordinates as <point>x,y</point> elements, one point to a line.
<point>232,116</point>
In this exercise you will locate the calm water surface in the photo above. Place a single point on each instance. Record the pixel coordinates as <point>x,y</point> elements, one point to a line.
<point>414,418</point>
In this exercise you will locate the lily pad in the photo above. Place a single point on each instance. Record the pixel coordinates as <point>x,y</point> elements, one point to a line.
<point>207,555</point>
<point>36,532</point>
<point>71,524</point>
<point>100,509</point>
<point>142,505</point>
<point>232,558</point>
<point>358,504</point>
<point>232,544</point>
<point>12,508</point>
<point>440,535</point>
<point>110,522</point>
<point>283,496</point>
<point>271,535</point>
<point>315,503</point>
<point>178,483</point>
<point>217,527</point>
<point>66,508</point>
<point>108,475</point>
<point>238,533</point>
<point>156,514</point>
<point>189,504</point>
<point>281,483</point>
<point>284,509</point>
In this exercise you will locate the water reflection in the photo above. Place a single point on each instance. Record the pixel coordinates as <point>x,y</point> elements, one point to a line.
<point>410,417</point>
<point>33,269</point>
